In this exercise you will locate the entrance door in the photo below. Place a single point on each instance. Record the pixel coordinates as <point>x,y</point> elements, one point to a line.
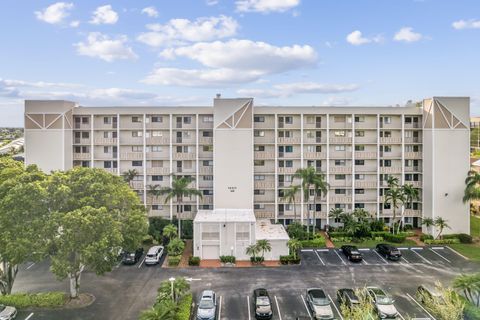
<point>210,252</point>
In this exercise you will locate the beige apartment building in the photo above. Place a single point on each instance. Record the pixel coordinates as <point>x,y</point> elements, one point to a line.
<point>243,156</point>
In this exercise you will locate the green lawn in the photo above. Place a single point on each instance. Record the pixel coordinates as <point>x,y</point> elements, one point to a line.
<point>471,251</point>
<point>373,243</point>
<point>475,226</point>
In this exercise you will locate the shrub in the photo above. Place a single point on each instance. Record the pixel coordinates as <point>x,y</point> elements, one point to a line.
<point>297,231</point>
<point>147,240</point>
<point>424,237</point>
<point>408,227</point>
<point>256,259</point>
<point>37,300</point>
<point>315,243</point>
<point>465,238</point>
<point>442,241</point>
<point>395,238</point>
<point>341,239</point>
<point>175,247</point>
<point>173,261</point>
<point>338,234</point>
<point>227,259</point>
<point>290,259</point>
<point>362,231</point>
<point>184,308</point>
<point>357,240</point>
<point>377,225</point>
<point>193,261</point>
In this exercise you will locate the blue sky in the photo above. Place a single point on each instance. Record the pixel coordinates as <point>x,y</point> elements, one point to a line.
<point>289,52</point>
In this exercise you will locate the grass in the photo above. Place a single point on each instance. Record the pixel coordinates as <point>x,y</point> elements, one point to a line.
<point>475,226</point>
<point>471,251</point>
<point>370,243</point>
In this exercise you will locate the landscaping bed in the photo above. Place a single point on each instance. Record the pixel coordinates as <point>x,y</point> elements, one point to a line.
<point>46,300</point>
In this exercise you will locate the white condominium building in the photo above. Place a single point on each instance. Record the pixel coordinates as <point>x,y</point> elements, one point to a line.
<point>243,157</point>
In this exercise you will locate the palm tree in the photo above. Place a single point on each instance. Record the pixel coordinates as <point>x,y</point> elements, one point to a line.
<point>428,222</point>
<point>264,245</point>
<point>252,250</point>
<point>166,310</point>
<point>170,231</point>
<point>395,196</point>
<point>294,245</point>
<point>290,195</point>
<point>472,188</point>
<point>154,190</point>
<point>179,189</point>
<point>470,285</point>
<point>441,224</point>
<point>129,175</point>
<point>180,288</point>
<point>411,194</point>
<point>311,178</point>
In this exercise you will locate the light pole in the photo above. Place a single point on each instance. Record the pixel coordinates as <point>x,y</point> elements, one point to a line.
<point>172,280</point>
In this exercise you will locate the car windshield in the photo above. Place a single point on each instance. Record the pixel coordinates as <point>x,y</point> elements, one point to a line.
<point>206,304</point>
<point>384,300</point>
<point>263,301</point>
<point>151,255</point>
<point>320,301</point>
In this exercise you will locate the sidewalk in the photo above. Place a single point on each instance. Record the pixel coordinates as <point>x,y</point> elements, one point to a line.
<point>186,254</point>
<point>238,264</point>
<point>329,244</point>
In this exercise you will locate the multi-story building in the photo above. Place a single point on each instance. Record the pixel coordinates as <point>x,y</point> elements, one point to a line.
<point>244,157</point>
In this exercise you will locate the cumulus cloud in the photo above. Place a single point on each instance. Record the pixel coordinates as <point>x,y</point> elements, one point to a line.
<point>211,2</point>
<point>150,11</point>
<point>406,34</point>
<point>356,38</point>
<point>265,6</point>
<point>98,45</point>
<point>7,90</point>
<point>231,62</point>
<point>466,24</point>
<point>56,13</point>
<point>104,15</point>
<point>290,89</point>
<point>75,24</point>
<point>183,30</point>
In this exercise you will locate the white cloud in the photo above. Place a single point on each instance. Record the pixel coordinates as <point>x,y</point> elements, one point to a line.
<point>265,6</point>
<point>406,34</point>
<point>356,38</point>
<point>104,15</point>
<point>211,2</point>
<point>289,89</point>
<point>56,13</point>
<point>336,101</point>
<point>183,30</point>
<point>150,11</point>
<point>37,84</point>
<point>247,55</point>
<point>466,24</point>
<point>75,24</point>
<point>101,46</point>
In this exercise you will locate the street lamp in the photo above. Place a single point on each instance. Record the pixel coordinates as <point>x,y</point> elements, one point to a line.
<point>172,280</point>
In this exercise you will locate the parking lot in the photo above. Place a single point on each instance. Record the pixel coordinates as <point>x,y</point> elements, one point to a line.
<point>435,256</point>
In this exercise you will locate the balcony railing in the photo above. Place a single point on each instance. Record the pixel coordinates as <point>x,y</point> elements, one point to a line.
<point>81,156</point>
<point>365,155</point>
<point>390,169</point>
<point>106,141</point>
<point>341,140</point>
<point>391,140</point>
<point>184,156</point>
<point>288,140</point>
<point>413,155</point>
<point>340,169</point>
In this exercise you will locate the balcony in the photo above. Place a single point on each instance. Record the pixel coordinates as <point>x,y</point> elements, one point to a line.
<point>286,170</point>
<point>157,140</point>
<point>205,184</point>
<point>158,155</point>
<point>111,170</point>
<point>181,140</point>
<point>413,125</point>
<point>315,155</point>
<point>131,156</point>
<point>340,199</point>
<point>412,213</point>
<point>390,170</point>
<point>413,140</point>
<point>263,155</point>
<point>264,214</point>
<point>137,185</point>
<point>81,140</point>
<point>183,156</point>
<point>288,140</point>
<point>366,197</point>
<point>158,171</point>
<point>365,155</point>
<point>416,184</point>
<point>205,140</point>
<point>413,155</point>
<point>81,156</point>
<point>106,141</point>
<point>340,155</point>
<point>340,169</point>
<point>413,169</point>
<point>390,155</point>
<point>82,126</point>
<point>264,184</point>
<point>206,200</point>
<point>391,140</point>
<point>206,170</point>
<point>365,184</point>
<point>289,155</point>
<point>341,140</point>
<point>359,169</point>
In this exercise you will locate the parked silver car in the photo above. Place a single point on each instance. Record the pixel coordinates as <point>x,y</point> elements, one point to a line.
<point>319,303</point>
<point>207,306</point>
<point>7,313</point>
<point>383,303</point>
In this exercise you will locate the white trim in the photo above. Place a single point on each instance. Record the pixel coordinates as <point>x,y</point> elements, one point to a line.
<point>171,164</point>
<point>328,164</point>
<point>353,161</point>
<point>92,146</point>
<point>378,167</point>
<point>118,144</point>
<point>276,168</point>
<point>144,164</point>
<point>402,118</point>
<point>302,160</point>
<point>197,160</point>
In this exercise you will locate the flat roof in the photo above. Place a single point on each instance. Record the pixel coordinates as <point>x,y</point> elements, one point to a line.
<point>264,229</point>
<point>225,215</point>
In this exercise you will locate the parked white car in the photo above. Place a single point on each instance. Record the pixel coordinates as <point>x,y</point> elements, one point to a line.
<point>7,313</point>
<point>383,303</point>
<point>154,255</point>
<point>319,303</point>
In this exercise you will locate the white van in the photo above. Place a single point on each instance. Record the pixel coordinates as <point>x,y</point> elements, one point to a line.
<point>154,255</point>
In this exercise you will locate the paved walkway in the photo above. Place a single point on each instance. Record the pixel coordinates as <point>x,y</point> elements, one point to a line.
<point>328,243</point>
<point>188,252</point>
<point>238,264</point>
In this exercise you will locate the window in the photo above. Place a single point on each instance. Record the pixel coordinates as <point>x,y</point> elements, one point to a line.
<point>387,120</point>
<point>136,119</point>
<point>136,163</point>
<point>259,192</point>
<point>207,163</point>
<point>259,119</point>
<point>359,205</point>
<point>386,134</point>
<point>258,206</point>
<point>107,164</point>
<point>385,163</point>
<point>340,206</point>
<point>157,163</point>
<point>310,134</point>
<point>207,119</point>
<point>314,149</point>
<point>339,118</point>
<point>359,119</point>
<point>85,120</point>
<point>359,177</point>
<point>207,148</point>
<point>156,149</point>
<point>206,207</point>
<point>340,148</point>
<point>259,133</point>
<point>157,119</point>
<point>259,177</point>
<point>187,120</point>
<point>340,163</point>
<point>339,133</point>
<point>137,134</point>
<point>207,178</point>
<point>105,150</point>
<point>359,162</point>
<point>340,191</point>
<point>310,119</point>
<point>259,148</point>
<point>207,192</point>
<point>210,232</point>
<point>157,207</point>
<point>288,120</point>
<point>408,120</point>
<point>207,133</point>
<point>359,147</point>
<point>359,133</point>
<point>387,148</point>
<point>285,134</point>
<point>107,120</point>
<point>339,177</point>
<point>359,191</point>
<point>85,135</point>
<point>137,148</point>
<point>157,134</point>
<point>259,163</point>
<point>157,178</point>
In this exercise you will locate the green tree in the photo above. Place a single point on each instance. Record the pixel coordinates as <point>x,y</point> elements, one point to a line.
<point>166,310</point>
<point>448,306</point>
<point>86,237</point>
<point>129,175</point>
<point>469,285</point>
<point>428,223</point>
<point>23,218</point>
<point>252,250</point>
<point>364,310</point>
<point>175,247</point>
<point>472,186</point>
<point>179,189</point>
<point>311,180</point>
<point>170,231</point>
<point>180,289</point>
<point>395,196</point>
<point>411,194</point>
<point>290,195</point>
<point>264,246</point>
<point>441,224</point>
<point>294,245</point>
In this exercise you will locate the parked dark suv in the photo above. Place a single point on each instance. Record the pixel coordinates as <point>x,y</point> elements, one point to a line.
<point>262,304</point>
<point>389,251</point>
<point>132,257</point>
<point>352,253</point>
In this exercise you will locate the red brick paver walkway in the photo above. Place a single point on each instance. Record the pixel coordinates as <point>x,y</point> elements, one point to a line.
<point>328,243</point>
<point>238,264</point>
<point>186,254</point>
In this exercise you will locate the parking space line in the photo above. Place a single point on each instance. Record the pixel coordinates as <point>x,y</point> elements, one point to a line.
<point>405,259</point>
<point>335,306</point>
<point>248,307</point>
<point>344,263</point>
<point>140,265</point>
<point>306,307</point>
<point>418,304</point>
<point>33,263</point>
<point>364,249</point>
<point>400,315</point>
<point>220,308</point>
<point>378,254</point>
<point>278,308</point>
<point>306,250</point>
<point>418,254</point>
<point>29,316</point>
<point>318,256</point>
<point>364,262</point>
<point>323,250</point>
<point>461,255</point>
<point>438,254</point>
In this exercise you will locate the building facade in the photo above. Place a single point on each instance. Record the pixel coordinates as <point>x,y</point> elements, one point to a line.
<point>244,157</point>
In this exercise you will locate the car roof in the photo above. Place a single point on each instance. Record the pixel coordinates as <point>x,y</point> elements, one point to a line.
<point>261,292</point>
<point>377,290</point>
<point>350,246</point>
<point>209,293</point>
<point>154,249</point>
<point>317,293</point>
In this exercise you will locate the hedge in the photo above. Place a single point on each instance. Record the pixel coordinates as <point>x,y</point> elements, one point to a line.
<point>184,308</point>
<point>289,260</point>
<point>193,261</point>
<point>256,259</point>
<point>315,243</point>
<point>442,241</point>
<point>395,238</point>
<point>338,234</point>
<point>38,300</point>
<point>462,237</point>
<point>227,259</point>
<point>424,237</point>
<point>173,261</point>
